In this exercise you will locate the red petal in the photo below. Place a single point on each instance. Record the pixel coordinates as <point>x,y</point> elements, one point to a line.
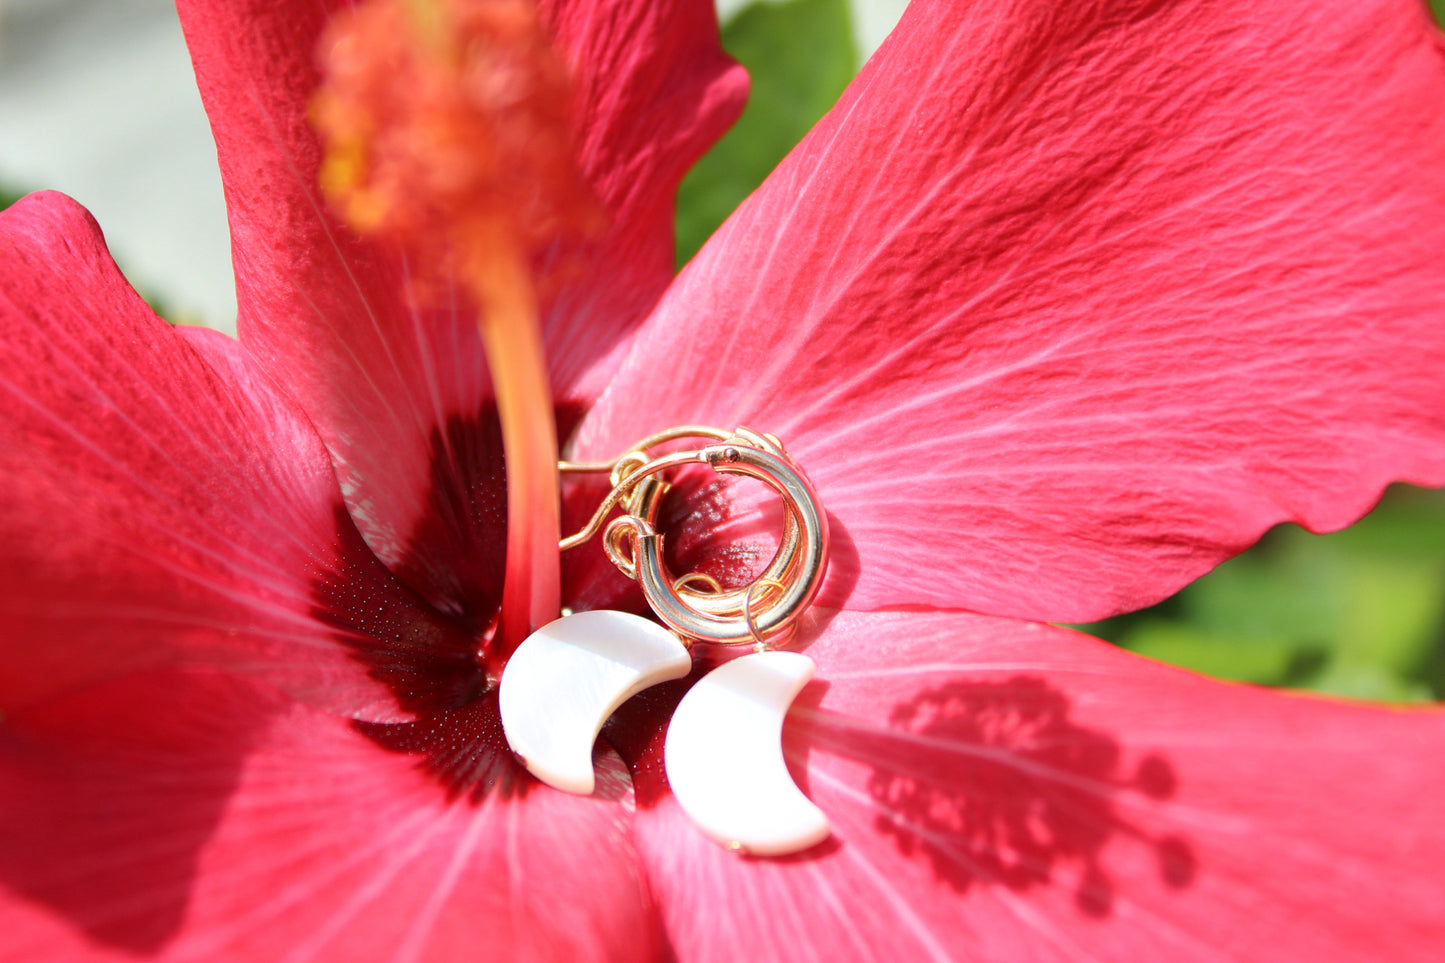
<point>164,503</point>
<point>195,817</point>
<point>1064,304</point>
<point>1001,790</point>
<point>400,395</point>
<point>657,91</point>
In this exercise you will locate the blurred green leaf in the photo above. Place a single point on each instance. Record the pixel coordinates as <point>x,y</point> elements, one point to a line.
<point>1358,613</point>
<point>1438,7</point>
<point>1271,661</point>
<point>800,55</point>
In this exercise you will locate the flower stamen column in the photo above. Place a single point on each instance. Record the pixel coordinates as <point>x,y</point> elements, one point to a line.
<point>445,124</point>
<point>531,591</point>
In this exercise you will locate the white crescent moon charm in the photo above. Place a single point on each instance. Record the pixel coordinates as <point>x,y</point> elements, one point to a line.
<point>724,756</point>
<point>566,678</point>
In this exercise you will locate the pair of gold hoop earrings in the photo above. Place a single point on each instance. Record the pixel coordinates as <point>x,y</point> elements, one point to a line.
<point>723,752</point>
<point>761,613</point>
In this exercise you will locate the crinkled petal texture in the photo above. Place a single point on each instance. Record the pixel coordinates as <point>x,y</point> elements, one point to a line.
<point>193,816</point>
<point>398,388</point>
<point>1064,303</point>
<point>165,504</point>
<point>1002,790</point>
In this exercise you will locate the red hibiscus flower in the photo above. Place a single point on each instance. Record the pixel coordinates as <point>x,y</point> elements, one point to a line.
<point>1060,306</point>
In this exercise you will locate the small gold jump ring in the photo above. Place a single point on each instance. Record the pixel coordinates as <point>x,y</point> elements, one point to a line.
<point>748,608</point>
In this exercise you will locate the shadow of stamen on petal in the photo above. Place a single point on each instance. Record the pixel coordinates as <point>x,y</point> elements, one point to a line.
<point>994,784</point>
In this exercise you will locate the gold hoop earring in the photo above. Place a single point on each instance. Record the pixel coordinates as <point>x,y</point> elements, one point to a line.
<point>719,616</point>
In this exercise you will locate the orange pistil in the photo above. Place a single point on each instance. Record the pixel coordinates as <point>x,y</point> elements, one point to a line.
<point>445,130</point>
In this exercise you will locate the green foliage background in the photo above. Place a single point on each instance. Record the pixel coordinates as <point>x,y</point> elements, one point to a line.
<point>1358,613</point>
<point>800,56</point>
